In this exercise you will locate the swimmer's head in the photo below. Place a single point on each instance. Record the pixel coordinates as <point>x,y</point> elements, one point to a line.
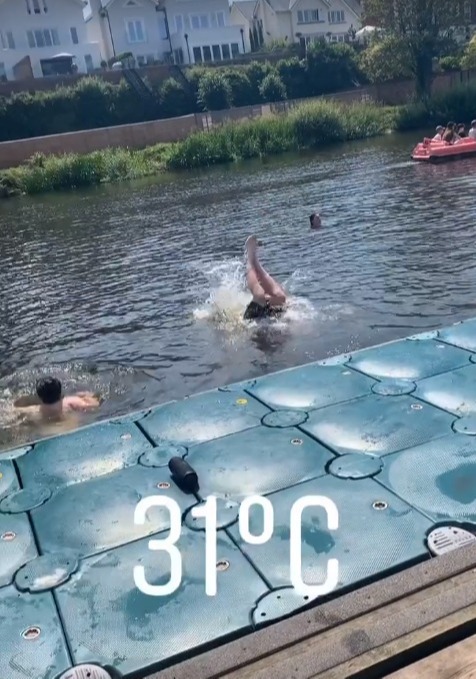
<point>49,390</point>
<point>315,221</point>
<point>439,129</point>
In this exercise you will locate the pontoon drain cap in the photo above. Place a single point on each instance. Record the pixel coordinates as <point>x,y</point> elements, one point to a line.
<point>448,538</point>
<point>86,672</point>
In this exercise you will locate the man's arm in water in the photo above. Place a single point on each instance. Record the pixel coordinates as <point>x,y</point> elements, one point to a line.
<point>81,401</point>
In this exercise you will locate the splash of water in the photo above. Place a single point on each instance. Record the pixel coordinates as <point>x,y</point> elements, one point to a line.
<point>228,297</point>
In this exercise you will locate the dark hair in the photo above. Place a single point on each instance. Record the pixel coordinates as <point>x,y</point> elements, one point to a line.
<point>311,218</point>
<point>48,390</point>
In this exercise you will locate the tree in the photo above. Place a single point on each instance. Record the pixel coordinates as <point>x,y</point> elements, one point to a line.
<point>214,92</point>
<point>420,26</point>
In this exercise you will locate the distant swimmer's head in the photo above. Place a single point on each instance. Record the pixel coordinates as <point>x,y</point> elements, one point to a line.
<point>49,390</point>
<point>315,221</point>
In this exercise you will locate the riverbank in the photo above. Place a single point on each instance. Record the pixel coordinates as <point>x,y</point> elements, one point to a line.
<point>310,126</point>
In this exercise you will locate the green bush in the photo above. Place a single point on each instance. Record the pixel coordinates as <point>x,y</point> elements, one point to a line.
<point>308,126</point>
<point>49,173</point>
<point>457,104</point>
<point>241,88</point>
<point>175,100</point>
<point>450,63</point>
<point>272,88</point>
<point>214,92</point>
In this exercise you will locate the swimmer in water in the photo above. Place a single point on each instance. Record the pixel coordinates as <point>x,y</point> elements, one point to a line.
<point>53,404</point>
<point>269,298</point>
<point>315,221</point>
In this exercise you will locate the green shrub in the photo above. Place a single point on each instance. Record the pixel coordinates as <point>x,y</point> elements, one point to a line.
<point>241,88</point>
<point>450,63</point>
<point>175,100</point>
<point>294,76</point>
<point>272,88</point>
<point>457,104</point>
<point>214,92</point>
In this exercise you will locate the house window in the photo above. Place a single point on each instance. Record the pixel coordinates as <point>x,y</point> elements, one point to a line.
<point>140,60</point>
<point>36,6</point>
<point>179,23</point>
<point>216,52</point>
<point>235,49</point>
<point>43,38</point>
<point>135,30</point>
<point>218,19</point>
<point>178,56</point>
<point>225,50</point>
<point>197,55</point>
<point>200,21</point>
<point>88,60</point>
<point>3,72</point>
<point>162,28</point>
<point>74,35</point>
<point>308,16</point>
<point>6,40</point>
<point>337,17</point>
<point>207,53</point>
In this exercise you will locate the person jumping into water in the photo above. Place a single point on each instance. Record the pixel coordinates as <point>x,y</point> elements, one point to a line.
<point>269,298</point>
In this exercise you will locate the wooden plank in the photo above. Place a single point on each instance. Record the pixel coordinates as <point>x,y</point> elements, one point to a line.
<point>455,662</point>
<point>338,631</point>
<point>359,646</point>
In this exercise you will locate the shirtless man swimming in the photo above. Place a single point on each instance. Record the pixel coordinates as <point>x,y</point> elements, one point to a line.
<point>269,298</point>
<point>53,405</point>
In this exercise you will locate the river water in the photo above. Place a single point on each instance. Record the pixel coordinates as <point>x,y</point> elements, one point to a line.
<point>136,290</point>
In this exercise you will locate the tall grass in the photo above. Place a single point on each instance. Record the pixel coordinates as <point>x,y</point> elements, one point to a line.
<point>457,104</point>
<point>49,173</point>
<point>312,125</point>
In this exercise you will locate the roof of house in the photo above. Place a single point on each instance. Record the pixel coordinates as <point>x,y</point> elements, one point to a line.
<point>246,7</point>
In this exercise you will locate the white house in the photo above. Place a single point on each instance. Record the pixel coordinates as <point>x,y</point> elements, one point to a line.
<point>242,13</point>
<point>308,20</point>
<point>44,37</point>
<point>179,31</point>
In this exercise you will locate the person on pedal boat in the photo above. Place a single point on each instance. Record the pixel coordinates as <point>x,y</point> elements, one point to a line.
<point>269,298</point>
<point>439,133</point>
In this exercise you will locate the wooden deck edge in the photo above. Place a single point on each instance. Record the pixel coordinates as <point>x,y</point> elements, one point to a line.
<point>338,636</point>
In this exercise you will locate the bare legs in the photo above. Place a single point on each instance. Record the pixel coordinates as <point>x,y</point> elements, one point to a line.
<point>262,286</point>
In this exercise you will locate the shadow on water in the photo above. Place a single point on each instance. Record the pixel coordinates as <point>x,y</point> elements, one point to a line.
<point>149,276</point>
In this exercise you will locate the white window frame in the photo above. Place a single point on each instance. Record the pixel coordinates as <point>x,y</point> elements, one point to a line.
<point>52,34</point>
<point>7,41</point>
<point>198,18</point>
<point>308,16</point>
<point>134,20</point>
<point>181,29</point>
<point>336,16</point>
<point>215,16</point>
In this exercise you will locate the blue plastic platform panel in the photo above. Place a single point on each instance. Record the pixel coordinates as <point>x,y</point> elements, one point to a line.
<point>33,646</point>
<point>311,386</point>
<point>437,478</point>
<point>377,424</point>
<point>17,545</point>
<point>258,461</point>
<point>204,417</point>
<point>454,391</point>
<point>108,619</point>
<point>376,532</point>
<point>409,359</point>
<point>461,335</point>
<point>84,454</point>
<point>99,514</point>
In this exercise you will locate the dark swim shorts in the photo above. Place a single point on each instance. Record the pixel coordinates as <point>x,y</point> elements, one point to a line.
<point>255,311</point>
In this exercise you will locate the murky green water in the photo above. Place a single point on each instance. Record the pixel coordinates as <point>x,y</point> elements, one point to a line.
<point>109,287</point>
